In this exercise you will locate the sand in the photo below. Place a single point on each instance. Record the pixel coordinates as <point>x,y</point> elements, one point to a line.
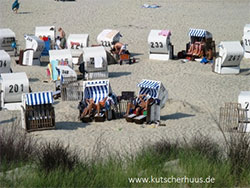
<point>195,92</point>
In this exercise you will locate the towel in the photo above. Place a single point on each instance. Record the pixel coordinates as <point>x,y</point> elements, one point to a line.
<point>98,62</point>
<point>165,33</point>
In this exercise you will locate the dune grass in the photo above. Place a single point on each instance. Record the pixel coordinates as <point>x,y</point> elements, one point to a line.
<point>57,165</point>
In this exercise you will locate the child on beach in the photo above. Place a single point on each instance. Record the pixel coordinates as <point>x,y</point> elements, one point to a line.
<point>15,6</point>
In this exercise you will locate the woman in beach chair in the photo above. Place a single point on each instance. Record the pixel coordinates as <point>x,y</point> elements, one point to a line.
<point>106,104</point>
<point>90,107</point>
<point>139,105</point>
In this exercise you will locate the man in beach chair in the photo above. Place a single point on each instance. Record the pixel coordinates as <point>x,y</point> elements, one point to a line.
<point>119,48</point>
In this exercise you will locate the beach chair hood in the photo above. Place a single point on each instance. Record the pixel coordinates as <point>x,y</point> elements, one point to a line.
<point>199,33</point>
<point>37,98</point>
<point>155,90</point>
<point>96,89</point>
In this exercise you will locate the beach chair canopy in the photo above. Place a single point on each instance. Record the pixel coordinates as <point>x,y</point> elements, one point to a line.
<point>155,90</point>
<point>59,55</point>
<point>199,33</point>
<point>97,89</point>
<point>149,87</point>
<point>6,33</point>
<point>246,42</point>
<point>246,29</point>
<point>47,31</point>
<point>38,98</point>
<point>107,36</point>
<point>13,86</point>
<point>4,62</point>
<point>7,38</point>
<point>158,41</point>
<point>35,43</point>
<point>231,53</point>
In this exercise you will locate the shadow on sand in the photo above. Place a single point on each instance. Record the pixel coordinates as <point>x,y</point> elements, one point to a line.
<point>8,121</point>
<point>70,125</point>
<point>24,12</point>
<point>176,116</point>
<point>118,74</point>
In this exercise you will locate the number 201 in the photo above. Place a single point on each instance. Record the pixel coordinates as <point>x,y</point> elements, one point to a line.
<point>15,88</point>
<point>156,45</point>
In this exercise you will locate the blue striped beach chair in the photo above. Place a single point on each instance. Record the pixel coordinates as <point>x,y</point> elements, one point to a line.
<point>38,111</point>
<point>96,90</point>
<point>205,39</point>
<point>155,90</point>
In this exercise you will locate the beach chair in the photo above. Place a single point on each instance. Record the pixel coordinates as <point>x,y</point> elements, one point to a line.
<point>76,43</point>
<point>95,63</point>
<point>156,91</point>
<point>7,39</point>
<point>107,36</point>
<point>34,48</point>
<point>244,120</point>
<point>12,86</point>
<point>48,35</point>
<point>96,90</point>
<point>230,56</point>
<point>160,47</point>
<point>201,42</point>
<point>37,111</point>
<point>246,41</point>
<point>4,62</point>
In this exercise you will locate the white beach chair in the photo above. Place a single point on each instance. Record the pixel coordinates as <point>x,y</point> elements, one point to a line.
<point>76,43</point>
<point>244,100</point>
<point>47,31</point>
<point>155,90</point>
<point>230,56</point>
<point>95,62</point>
<point>160,47</point>
<point>107,36</point>
<point>13,85</point>
<point>34,48</point>
<point>7,38</point>
<point>246,41</point>
<point>4,62</point>
<point>37,111</point>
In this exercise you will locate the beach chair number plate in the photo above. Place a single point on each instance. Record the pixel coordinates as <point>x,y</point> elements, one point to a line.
<point>7,41</point>
<point>247,42</point>
<point>3,63</point>
<point>106,43</point>
<point>156,45</point>
<point>15,88</point>
<point>76,45</point>
<point>233,58</point>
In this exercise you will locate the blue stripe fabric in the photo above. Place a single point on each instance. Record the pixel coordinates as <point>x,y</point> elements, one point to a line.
<point>38,98</point>
<point>150,88</point>
<point>97,90</point>
<point>149,84</point>
<point>197,33</point>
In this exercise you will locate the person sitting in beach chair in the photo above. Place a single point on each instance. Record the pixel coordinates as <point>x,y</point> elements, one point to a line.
<point>139,105</point>
<point>90,107</point>
<point>106,104</point>
<point>119,48</point>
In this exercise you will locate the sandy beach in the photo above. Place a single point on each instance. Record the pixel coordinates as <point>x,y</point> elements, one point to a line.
<point>195,92</point>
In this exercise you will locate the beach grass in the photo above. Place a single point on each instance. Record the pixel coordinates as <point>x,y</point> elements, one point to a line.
<point>200,161</point>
